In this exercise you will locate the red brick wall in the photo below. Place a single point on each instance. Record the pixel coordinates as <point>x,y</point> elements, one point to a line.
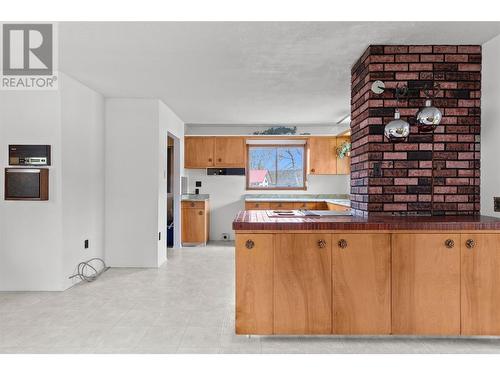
<point>433,173</point>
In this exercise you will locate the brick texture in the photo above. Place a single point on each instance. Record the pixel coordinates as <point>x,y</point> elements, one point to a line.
<point>432,173</point>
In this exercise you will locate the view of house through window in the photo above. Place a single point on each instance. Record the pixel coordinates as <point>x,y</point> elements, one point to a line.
<point>276,167</point>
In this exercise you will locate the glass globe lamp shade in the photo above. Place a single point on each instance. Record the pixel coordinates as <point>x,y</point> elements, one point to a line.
<point>428,118</point>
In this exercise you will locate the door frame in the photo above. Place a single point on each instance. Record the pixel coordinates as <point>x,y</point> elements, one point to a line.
<point>176,188</point>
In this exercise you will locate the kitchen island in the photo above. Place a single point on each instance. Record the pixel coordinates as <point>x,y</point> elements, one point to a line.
<point>379,275</point>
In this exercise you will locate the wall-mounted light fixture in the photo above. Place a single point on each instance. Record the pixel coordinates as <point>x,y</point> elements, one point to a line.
<point>427,118</point>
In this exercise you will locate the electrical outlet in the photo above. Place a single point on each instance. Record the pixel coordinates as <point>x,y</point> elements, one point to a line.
<point>86,244</point>
<point>496,204</point>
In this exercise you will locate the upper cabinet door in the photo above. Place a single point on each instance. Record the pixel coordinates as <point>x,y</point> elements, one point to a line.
<point>322,155</point>
<point>361,269</point>
<point>303,284</point>
<point>198,152</point>
<point>230,152</point>
<point>343,164</point>
<point>480,284</point>
<point>426,284</point>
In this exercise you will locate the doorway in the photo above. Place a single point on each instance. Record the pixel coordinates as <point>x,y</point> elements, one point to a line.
<point>173,191</point>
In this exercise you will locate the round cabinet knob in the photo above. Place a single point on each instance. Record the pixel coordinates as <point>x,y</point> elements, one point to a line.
<point>220,159</point>
<point>200,212</point>
<point>321,244</point>
<point>470,244</point>
<point>449,243</point>
<point>257,205</point>
<point>192,204</point>
<point>342,244</point>
<point>249,244</point>
<point>313,170</point>
<point>210,159</point>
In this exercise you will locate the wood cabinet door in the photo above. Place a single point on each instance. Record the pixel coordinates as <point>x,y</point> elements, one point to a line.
<point>361,269</point>
<point>230,152</point>
<point>194,225</point>
<point>480,284</point>
<point>425,284</point>
<point>199,152</point>
<point>337,207</point>
<point>302,284</point>
<point>254,283</point>
<point>343,164</point>
<point>322,156</point>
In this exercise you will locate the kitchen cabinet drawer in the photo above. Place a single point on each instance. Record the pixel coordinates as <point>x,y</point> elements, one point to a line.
<point>193,204</point>
<point>337,207</point>
<point>257,205</point>
<point>281,205</point>
<point>306,205</point>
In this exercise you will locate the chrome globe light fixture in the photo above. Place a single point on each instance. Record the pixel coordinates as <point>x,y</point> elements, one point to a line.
<point>397,130</point>
<point>428,118</point>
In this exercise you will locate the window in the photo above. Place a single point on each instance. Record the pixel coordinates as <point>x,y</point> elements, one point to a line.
<point>276,167</point>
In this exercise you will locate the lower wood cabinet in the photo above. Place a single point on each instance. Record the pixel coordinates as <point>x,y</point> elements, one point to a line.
<point>303,284</point>
<point>254,283</point>
<point>426,284</point>
<point>361,283</point>
<point>195,222</point>
<point>480,284</point>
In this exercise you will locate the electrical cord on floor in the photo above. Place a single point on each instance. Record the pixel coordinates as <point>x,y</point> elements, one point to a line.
<point>83,270</point>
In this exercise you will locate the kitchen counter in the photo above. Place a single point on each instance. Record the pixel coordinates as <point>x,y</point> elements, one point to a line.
<point>340,199</point>
<point>195,197</point>
<point>261,220</point>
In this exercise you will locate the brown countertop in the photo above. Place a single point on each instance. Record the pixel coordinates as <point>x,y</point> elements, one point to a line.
<point>259,220</point>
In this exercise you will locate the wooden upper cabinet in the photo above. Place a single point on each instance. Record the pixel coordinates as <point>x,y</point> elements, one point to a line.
<point>254,283</point>
<point>303,284</point>
<point>343,164</point>
<point>199,152</point>
<point>361,283</point>
<point>322,155</point>
<point>230,152</point>
<point>480,284</point>
<point>426,284</point>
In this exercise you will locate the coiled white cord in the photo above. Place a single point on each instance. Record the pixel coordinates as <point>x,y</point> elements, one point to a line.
<point>83,272</point>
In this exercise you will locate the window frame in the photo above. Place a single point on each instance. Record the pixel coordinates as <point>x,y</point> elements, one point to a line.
<point>304,166</point>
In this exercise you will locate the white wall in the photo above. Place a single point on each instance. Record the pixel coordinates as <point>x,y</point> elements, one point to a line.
<point>31,232</point>
<point>82,114</point>
<point>41,242</point>
<point>490,127</point>
<point>227,195</point>
<point>135,185</point>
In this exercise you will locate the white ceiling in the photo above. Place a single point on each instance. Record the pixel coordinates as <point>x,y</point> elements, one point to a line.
<point>241,72</point>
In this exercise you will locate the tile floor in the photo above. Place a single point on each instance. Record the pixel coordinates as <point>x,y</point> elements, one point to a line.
<point>186,306</point>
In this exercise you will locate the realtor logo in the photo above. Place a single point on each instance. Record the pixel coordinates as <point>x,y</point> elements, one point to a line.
<point>28,56</point>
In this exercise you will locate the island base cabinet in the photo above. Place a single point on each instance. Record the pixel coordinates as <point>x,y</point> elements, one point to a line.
<point>480,284</point>
<point>361,283</point>
<point>425,284</point>
<point>303,284</point>
<point>254,284</point>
